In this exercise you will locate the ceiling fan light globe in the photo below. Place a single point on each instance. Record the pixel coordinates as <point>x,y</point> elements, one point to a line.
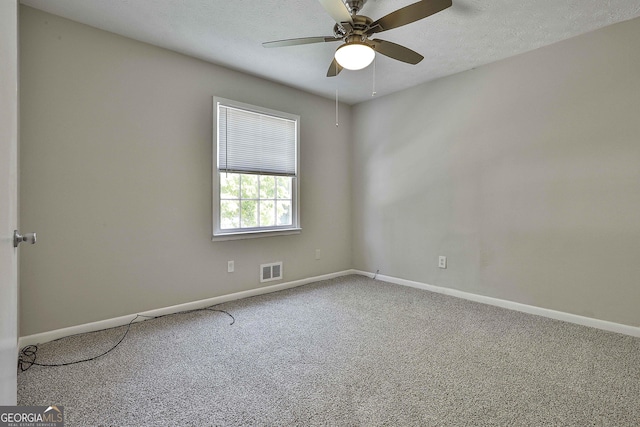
<point>354,56</point>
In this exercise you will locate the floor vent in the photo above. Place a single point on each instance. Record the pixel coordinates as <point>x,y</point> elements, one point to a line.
<point>271,271</point>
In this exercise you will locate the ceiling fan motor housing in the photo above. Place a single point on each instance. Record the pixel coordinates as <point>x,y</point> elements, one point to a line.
<point>358,28</point>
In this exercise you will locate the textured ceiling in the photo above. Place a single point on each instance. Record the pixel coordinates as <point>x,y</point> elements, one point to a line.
<point>230,32</point>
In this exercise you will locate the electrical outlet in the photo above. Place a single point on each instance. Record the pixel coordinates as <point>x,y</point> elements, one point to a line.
<point>231,267</point>
<point>317,253</point>
<point>442,261</point>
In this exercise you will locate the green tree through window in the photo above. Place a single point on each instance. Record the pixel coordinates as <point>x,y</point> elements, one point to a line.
<point>254,201</point>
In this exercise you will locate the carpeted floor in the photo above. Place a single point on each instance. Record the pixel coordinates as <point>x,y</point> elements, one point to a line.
<point>349,351</point>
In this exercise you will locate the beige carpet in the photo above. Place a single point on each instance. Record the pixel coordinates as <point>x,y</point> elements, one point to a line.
<point>348,351</point>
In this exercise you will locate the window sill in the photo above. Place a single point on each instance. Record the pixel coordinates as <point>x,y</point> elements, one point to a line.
<point>221,237</point>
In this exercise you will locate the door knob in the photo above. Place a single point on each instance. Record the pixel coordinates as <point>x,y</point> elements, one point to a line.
<point>26,237</point>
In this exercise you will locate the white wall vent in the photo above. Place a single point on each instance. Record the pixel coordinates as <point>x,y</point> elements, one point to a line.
<point>271,271</point>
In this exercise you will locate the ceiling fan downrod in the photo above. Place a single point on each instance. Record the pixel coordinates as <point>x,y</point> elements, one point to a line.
<point>355,6</point>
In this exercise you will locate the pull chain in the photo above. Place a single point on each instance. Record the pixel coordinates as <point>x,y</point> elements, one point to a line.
<point>373,92</point>
<point>336,107</point>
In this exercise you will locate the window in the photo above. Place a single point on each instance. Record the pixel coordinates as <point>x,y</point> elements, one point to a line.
<point>255,179</point>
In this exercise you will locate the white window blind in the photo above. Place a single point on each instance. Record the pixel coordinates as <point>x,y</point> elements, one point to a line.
<point>251,142</point>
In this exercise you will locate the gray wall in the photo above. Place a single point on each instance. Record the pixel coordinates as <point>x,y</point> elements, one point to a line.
<point>116,178</point>
<point>525,173</point>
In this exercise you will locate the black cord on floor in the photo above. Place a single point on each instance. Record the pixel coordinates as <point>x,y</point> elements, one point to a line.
<point>28,354</point>
<point>376,275</point>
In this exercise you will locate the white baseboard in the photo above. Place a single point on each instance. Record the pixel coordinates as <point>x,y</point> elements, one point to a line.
<point>531,309</point>
<point>123,320</point>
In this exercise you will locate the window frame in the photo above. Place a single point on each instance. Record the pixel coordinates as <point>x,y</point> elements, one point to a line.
<point>219,234</point>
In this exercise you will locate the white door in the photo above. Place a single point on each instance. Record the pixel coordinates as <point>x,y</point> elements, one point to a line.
<point>8,199</point>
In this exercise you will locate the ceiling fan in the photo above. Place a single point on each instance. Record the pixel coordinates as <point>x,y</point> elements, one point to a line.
<point>358,50</point>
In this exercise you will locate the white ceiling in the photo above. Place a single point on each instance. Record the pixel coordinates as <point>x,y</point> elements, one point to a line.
<point>230,32</point>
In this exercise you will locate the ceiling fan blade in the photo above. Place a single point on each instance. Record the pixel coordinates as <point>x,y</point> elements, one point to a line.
<point>396,51</point>
<point>406,15</point>
<point>338,10</point>
<point>304,40</point>
<point>334,68</point>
